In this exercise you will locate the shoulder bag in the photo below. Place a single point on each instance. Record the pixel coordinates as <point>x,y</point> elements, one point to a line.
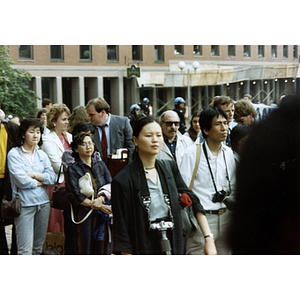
<point>59,198</point>
<point>11,209</point>
<point>189,221</point>
<point>86,188</point>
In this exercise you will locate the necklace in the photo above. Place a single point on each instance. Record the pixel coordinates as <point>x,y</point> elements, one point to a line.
<point>150,168</point>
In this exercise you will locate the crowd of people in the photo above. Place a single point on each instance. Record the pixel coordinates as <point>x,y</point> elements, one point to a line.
<point>228,184</point>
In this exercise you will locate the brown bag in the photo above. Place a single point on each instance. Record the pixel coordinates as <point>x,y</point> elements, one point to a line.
<point>55,240</point>
<point>115,165</point>
<point>59,198</point>
<point>11,209</point>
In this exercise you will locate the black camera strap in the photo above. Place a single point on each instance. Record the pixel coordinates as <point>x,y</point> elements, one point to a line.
<point>212,176</point>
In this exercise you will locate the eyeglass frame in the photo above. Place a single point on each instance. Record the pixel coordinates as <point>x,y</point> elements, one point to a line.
<point>84,145</point>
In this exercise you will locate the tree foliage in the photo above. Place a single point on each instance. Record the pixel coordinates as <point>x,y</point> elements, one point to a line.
<point>16,97</point>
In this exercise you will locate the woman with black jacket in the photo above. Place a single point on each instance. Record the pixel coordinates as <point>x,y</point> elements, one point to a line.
<point>146,194</point>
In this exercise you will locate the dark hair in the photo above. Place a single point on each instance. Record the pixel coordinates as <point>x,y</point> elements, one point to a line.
<point>266,217</point>
<point>46,102</point>
<point>41,111</point>
<point>77,140</point>
<point>83,127</point>
<point>237,133</point>
<point>25,124</point>
<point>138,126</point>
<point>207,116</point>
<point>193,134</point>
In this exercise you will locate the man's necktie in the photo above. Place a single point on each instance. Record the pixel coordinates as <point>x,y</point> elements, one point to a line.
<point>104,144</point>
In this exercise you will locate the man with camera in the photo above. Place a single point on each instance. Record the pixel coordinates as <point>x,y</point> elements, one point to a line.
<point>215,180</point>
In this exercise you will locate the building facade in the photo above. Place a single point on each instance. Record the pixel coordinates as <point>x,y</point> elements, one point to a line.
<point>74,74</point>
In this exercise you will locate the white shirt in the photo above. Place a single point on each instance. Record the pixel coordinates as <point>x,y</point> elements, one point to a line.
<point>203,185</point>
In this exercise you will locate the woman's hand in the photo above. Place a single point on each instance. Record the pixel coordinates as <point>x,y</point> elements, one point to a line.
<point>209,247</point>
<point>37,176</point>
<point>98,204</point>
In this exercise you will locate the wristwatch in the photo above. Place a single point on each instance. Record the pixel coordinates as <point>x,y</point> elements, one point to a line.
<point>209,235</point>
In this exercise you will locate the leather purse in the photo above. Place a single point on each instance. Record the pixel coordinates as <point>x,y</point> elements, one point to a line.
<point>11,209</point>
<point>59,198</point>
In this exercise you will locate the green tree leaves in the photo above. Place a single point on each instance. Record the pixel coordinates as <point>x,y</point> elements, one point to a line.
<point>16,97</point>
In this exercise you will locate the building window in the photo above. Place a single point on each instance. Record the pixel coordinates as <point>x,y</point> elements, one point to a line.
<point>274,51</point>
<point>285,51</point>
<point>261,51</point>
<point>57,52</point>
<point>197,50</point>
<point>231,50</point>
<point>112,53</point>
<point>159,55</point>
<point>247,51</point>
<point>137,52</point>
<point>85,52</point>
<point>178,50</point>
<point>295,52</point>
<point>26,52</point>
<point>215,50</point>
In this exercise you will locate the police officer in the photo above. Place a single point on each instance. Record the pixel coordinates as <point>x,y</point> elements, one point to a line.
<point>182,112</point>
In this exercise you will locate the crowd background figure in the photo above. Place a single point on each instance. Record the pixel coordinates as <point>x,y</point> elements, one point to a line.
<point>250,133</point>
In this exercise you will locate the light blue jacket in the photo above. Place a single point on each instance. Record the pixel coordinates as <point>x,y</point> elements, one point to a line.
<point>30,194</point>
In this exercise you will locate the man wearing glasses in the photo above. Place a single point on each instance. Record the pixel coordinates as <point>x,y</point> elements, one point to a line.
<point>174,142</point>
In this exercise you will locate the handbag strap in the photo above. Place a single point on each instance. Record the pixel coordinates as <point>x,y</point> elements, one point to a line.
<point>196,165</point>
<point>58,174</point>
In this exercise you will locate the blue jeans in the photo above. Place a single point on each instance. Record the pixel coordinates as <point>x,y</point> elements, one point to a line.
<point>31,228</point>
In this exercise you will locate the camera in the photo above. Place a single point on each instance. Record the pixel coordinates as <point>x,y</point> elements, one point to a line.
<point>223,196</point>
<point>162,225</point>
<point>219,196</point>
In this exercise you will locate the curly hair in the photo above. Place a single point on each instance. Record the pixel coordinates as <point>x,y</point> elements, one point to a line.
<point>54,113</point>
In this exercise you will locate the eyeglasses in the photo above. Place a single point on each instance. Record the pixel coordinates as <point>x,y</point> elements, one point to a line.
<point>85,145</point>
<point>170,123</point>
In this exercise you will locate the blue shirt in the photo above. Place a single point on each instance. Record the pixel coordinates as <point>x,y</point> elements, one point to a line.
<point>30,193</point>
<point>106,132</point>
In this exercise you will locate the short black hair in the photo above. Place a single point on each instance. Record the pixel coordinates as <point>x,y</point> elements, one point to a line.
<point>77,140</point>
<point>83,127</point>
<point>207,116</point>
<point>25,124</point>
<point>238,132</point>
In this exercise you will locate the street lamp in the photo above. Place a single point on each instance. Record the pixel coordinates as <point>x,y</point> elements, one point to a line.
<point>181,66</point>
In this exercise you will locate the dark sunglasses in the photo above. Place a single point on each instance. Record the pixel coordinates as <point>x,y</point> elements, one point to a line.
<point>169,124</point>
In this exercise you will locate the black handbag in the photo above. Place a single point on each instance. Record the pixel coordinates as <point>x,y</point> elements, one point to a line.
<point>59,198</point>
<point>11,209</point>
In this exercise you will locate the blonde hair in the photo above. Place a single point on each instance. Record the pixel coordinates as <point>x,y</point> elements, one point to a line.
<point>54,113</point>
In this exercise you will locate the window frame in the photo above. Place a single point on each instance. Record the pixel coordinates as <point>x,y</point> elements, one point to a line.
<point>24,57</point>
<point>246,52</point>
<point>259,48</point>
<point>62,53</point>
<point>88,59</point>
<point>178,51</point>
<point>200,50</point>
<point>274,47</point>
<point>230,50</point>
<point>217,48</point>
<point>159,50</point>
<point>140,52</point>
<point>116,59</point>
